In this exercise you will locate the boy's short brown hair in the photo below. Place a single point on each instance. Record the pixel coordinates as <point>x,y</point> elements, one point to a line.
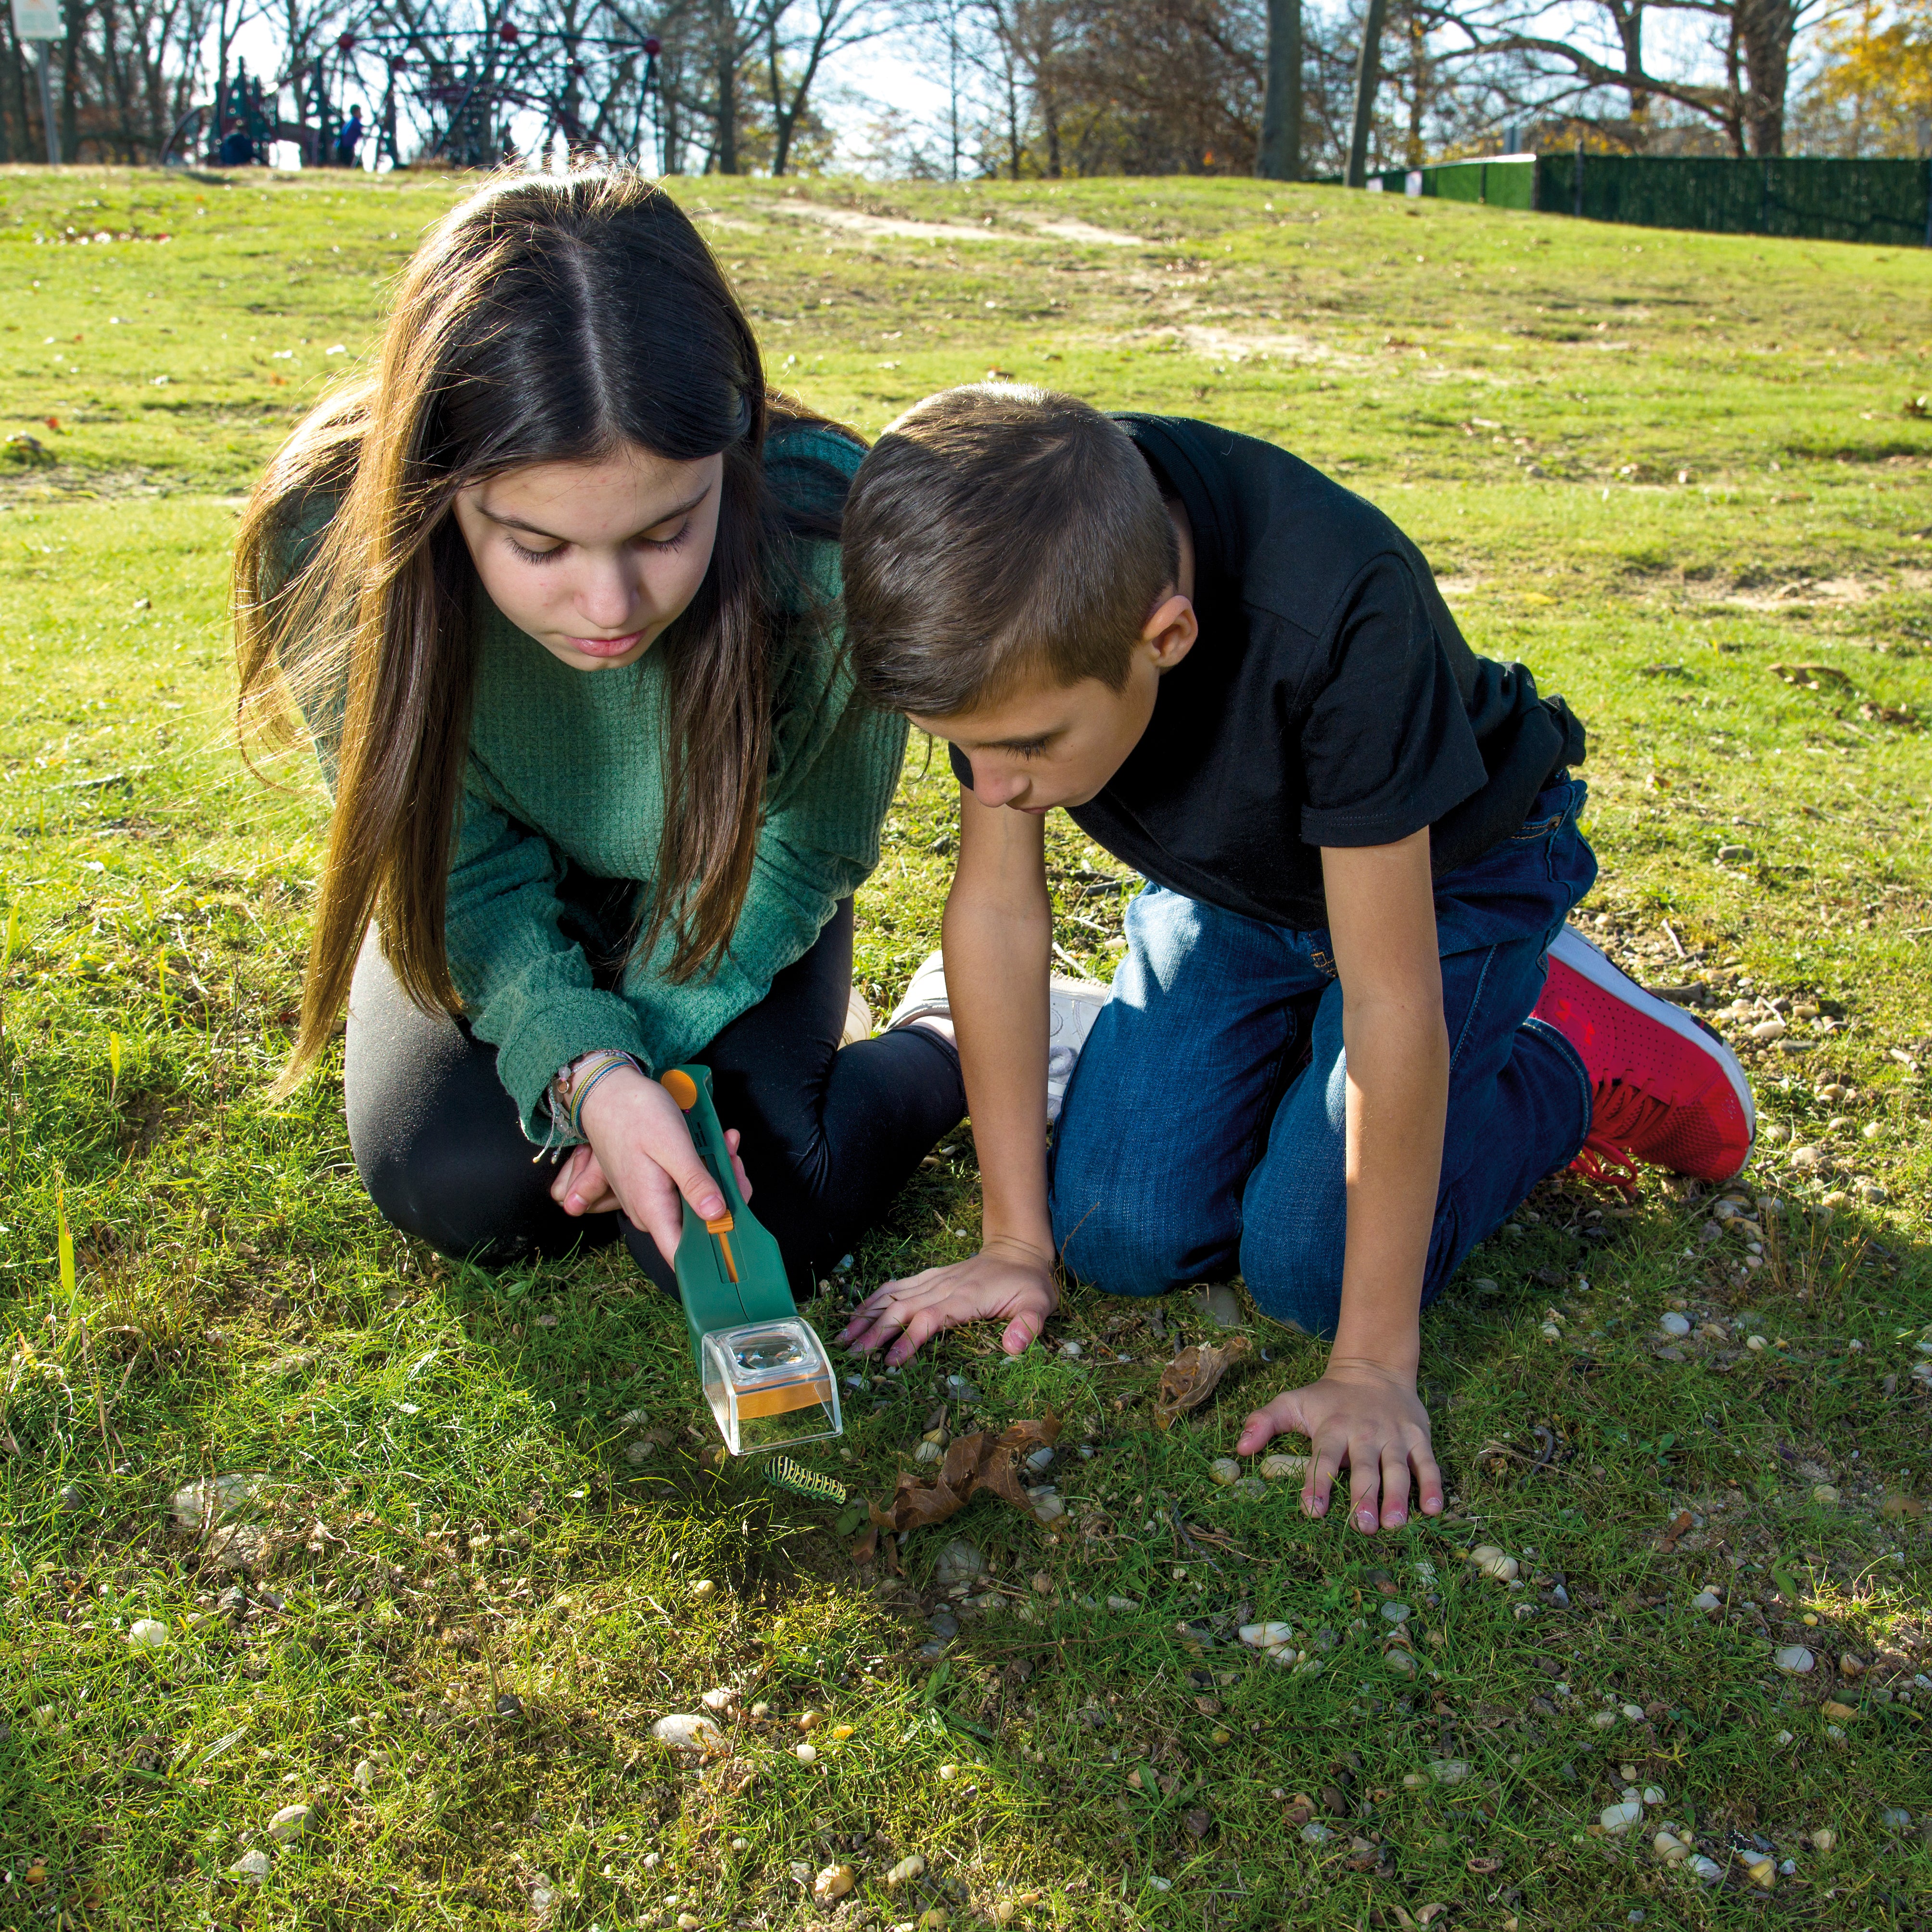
<point>996,535</point>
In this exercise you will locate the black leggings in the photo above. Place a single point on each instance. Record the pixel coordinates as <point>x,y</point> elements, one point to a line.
<point>828,1136</point>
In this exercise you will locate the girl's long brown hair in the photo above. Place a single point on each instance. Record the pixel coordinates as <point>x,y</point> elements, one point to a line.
<point>548,318</point>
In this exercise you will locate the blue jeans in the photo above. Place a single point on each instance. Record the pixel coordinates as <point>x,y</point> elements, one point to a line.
<point>1199,1140</point>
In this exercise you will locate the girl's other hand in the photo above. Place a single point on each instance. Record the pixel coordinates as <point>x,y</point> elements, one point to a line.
<point>1369,1418</point>
<point>640,1158</point>
<point>1007,1280</point>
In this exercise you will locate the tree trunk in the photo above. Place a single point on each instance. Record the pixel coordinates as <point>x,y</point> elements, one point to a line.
<point>727,53</point>
<point>74,17</point>
<point>1418,83</point>
<point>1368,78</point>
<point>1280,158</point>
<point>1765,30</point>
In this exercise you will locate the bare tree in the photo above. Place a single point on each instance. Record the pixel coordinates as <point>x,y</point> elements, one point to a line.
<point>1569,58</point>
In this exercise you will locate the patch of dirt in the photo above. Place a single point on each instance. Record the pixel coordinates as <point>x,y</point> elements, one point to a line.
<point>854,223</point>
<point>1458,586</point>
<point>1802,590</point>
<point>1226,345</point>
<point>1080,231</point>
<point>65,481</point>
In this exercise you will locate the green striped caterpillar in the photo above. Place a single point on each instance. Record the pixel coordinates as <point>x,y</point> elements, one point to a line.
<point>782,1473</point>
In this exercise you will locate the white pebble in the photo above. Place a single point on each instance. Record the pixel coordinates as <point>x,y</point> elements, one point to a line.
<point>251,1866</point>
<point>1824,1839</point>
<point>1633,1713</point>
<point>1675,1324</point>
<point>1603,1720</point>
<point>1708,1870</point>
<point>1707,1600</point>
<point>1756,1344</point>
<point>1618,1818</point>
<point>1312,1833</point>
<point>1266,1636</point>
<point>1653,1794</point>
<point>719,1699</point>
<point>806,1754</point>
<point>290,1822</point>
<point>1284,1468</point>
<point>904,1872</point>
<point>1448,1770</point>
<point>148,1634</point>
<point>1224,1470</point>
<point>683,1731</point>
<point>1794,1659</point>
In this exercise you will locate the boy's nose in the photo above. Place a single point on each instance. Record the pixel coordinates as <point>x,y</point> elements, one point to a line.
<point>999,788</point>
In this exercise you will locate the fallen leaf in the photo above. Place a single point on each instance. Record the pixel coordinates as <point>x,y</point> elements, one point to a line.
<point>1484,1868</point>
<point>1191,1377</point>
<point>973,1462</point>
<point>1679,1523</point>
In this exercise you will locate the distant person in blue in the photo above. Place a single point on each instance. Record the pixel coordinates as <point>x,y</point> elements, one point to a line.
<point>349,139</point>
<point>236,150</point>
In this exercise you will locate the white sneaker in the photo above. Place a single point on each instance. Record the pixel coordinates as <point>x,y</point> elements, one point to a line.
<point>1073,1007</point>
<point>858,1020</point>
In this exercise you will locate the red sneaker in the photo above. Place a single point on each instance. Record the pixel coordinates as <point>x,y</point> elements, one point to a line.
<point>1667,1090</point>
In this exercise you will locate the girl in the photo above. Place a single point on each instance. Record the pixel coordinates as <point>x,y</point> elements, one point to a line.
<point>556,588</point>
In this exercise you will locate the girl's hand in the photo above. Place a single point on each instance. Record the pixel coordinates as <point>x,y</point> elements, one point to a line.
<point>1007,1279</point>
<point>1370,1418</point>
<point>640,1158</point>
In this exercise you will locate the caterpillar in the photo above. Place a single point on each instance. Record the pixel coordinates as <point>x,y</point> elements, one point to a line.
<point>782,1473</point>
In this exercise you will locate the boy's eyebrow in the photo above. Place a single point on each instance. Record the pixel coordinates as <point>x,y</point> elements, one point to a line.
<point>510,523</point>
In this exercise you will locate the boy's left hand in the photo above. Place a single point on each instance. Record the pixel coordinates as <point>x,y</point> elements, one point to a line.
<point>1368,1417</point>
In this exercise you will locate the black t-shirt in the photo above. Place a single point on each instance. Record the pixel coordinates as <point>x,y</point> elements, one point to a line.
<point>1330,699</point>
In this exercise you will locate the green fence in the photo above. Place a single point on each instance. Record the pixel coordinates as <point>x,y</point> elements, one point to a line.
<point>1885,201</point>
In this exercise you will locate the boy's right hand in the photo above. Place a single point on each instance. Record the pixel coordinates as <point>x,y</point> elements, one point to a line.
<point>640,1158</point>
<point>1007,1278</point>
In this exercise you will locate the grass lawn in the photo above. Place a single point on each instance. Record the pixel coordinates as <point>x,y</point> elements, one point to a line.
<point>487,1546</point>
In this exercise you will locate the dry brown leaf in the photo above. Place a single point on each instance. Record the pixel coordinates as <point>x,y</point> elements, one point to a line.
<point>973,1462</point>
<point>1192,1377</point>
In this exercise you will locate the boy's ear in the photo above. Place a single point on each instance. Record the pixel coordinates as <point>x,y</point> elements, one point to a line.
<point>1170,633</point>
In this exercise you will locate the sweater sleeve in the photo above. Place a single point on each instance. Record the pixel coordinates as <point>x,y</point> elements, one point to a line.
<point>527,986</point>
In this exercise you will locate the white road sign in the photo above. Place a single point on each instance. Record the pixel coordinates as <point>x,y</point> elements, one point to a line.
<point>37,20</point>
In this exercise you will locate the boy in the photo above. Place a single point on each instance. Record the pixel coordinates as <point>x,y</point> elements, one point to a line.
<point>1331,1060</point>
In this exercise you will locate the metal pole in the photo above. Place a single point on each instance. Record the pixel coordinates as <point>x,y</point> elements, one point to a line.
<point>1368,77</point>
<point>47,102</point>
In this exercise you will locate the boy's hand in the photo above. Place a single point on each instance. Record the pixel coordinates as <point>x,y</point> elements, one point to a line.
<point>1370,1418</point>
<point>640,1158</point>
<point>1007,1279</point>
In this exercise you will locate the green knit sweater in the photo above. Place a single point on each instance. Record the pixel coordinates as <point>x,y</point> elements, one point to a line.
<point>565,770</point>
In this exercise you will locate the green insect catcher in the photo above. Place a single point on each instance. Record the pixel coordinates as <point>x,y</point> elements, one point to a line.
<point>766,1373</point>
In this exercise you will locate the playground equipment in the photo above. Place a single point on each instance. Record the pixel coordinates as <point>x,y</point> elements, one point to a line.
<point>459,89</point>
<point>765,1372</point>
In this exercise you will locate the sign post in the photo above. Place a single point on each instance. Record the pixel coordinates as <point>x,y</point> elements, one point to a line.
<point>40,22</point>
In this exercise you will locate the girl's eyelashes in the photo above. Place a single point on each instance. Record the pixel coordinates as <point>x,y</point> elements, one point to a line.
<point>526,555</point>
